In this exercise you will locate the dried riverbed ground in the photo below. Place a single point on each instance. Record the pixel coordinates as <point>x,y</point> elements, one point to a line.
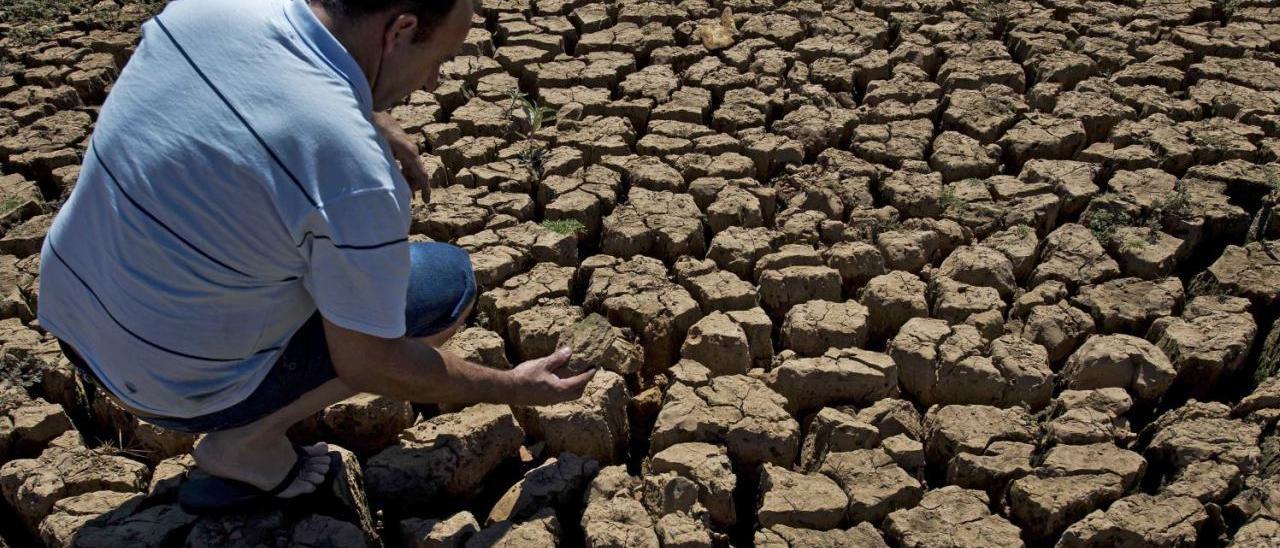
<point>914,273</point>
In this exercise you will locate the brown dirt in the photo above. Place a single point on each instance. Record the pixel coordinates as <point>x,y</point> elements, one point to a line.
<point>932,273</point>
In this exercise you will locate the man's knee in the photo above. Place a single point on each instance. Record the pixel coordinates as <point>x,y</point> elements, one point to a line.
<point>442,288</point>
<point>439,338</point>
<point>459,266</point>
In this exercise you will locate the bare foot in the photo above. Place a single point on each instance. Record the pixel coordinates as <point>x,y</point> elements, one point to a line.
<point>262,464</point>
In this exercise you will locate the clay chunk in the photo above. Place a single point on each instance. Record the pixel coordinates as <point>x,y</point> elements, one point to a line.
<point>593,342</point>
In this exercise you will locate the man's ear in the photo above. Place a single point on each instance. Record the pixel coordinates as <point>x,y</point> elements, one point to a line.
<point>400,32</point>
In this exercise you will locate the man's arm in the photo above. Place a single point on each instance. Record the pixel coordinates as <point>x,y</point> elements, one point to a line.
<point>406,152</point>
<point>407,369</point>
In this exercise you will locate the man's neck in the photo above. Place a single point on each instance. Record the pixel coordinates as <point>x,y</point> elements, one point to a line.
<point>357,38</point>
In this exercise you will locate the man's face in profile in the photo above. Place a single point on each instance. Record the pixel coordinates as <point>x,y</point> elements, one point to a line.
<point>410,65</point>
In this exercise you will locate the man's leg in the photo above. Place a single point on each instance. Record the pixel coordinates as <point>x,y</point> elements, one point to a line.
<point>439,338</point>
<point>260,454</point>
<point>257,453</point>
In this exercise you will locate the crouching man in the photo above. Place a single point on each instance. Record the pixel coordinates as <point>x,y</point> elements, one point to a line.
<point>235,257</point>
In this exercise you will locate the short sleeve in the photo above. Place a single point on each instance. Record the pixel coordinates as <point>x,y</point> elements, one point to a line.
<point>357,254</point>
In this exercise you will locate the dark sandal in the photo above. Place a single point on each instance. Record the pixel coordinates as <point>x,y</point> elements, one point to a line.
<point>211,494</point>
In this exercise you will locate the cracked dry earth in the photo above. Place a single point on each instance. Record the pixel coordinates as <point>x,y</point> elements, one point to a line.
<point>910,273</point>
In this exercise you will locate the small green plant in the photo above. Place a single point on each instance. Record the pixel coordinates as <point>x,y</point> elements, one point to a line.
<point>1168,209</point>
<point>24,371</point>
<point>533,157</point>
<point>123,446</point>
<point>8,204</point>
<point>532,116</point>
<point>890,225</point>
<point>1022,231</point>
<point>1135,244</point>
<point>564,226</point>
<point>1104,222</point>
<point>950,200</point>
<point>1228,7</point>
<point>1176,205</point>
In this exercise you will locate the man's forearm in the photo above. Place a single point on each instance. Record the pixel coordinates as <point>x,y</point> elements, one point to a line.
<point>410,370</point>
<point>414,371</point>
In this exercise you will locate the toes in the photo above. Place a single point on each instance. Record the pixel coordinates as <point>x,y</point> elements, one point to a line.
<point>323,462</point>
<point>318,465</point>
<point>316,450</point>
<point>297,489</point>
<point>313,472</point>
<point>307,482</point>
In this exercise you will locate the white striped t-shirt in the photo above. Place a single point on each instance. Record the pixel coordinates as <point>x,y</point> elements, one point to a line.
<point>234,184</point>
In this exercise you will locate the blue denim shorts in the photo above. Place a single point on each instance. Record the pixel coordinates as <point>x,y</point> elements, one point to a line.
<point>441,287</point>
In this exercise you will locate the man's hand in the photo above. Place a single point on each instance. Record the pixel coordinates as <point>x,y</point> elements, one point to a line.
<point>539,381</point>
<point>411,370</point>
<point>405,152</point>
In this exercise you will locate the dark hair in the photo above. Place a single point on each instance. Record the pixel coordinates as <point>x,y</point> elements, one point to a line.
<point>430,13</point>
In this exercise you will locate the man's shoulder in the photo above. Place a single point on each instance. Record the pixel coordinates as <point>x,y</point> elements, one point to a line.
<point>236,45</point>
<point>270,76</point>
<point>222,14</point>
<point>258,85</point>
<point>330,144</point>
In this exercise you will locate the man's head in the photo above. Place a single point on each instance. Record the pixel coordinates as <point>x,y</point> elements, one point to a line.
<point>400,43</point>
